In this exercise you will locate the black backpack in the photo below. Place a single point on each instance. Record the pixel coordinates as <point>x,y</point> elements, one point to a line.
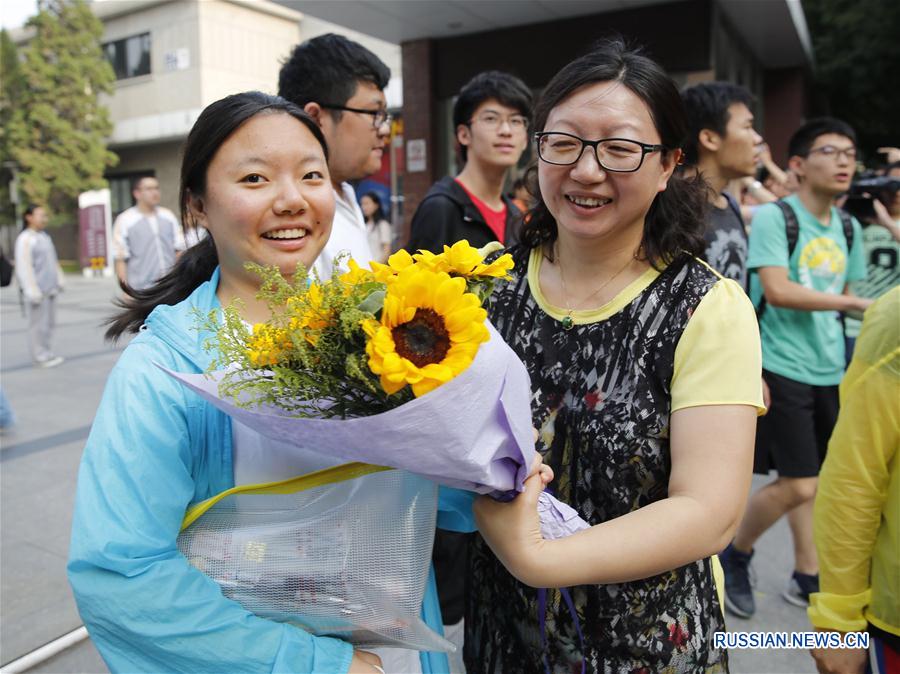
<point>6,270</point>
<point>792,231</point>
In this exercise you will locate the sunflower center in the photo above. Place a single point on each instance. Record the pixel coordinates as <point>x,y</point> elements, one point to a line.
<point>424,339</point>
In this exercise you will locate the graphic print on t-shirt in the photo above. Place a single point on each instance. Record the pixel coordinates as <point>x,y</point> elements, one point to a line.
<point>821,265</point>
<point>726,252</point>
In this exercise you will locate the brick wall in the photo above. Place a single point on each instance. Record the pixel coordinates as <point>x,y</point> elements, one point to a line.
<point>785,103</point>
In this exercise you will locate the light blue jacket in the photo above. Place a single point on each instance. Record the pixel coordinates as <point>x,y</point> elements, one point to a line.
<point>154,449</point>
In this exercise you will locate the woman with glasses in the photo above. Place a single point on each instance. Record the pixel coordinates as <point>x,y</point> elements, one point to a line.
<point>645,367</point>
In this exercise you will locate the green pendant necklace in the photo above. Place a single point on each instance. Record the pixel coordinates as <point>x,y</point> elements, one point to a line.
<point>567,321</point>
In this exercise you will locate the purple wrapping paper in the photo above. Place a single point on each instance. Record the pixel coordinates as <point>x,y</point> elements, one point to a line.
<point>473,433</point>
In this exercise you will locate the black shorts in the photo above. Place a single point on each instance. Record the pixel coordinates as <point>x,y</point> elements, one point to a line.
<point>793,436</point>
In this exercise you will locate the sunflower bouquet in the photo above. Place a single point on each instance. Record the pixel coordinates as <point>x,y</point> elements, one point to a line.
<point>392,367</point>
<point>366,341</point>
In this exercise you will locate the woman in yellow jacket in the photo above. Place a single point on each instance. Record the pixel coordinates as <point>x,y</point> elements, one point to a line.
<point>857,511</point>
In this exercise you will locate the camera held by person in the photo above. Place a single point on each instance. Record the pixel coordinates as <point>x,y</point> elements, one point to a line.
<point>867,188</point>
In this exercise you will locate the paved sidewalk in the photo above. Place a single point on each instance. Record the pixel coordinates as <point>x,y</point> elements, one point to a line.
<point>39,463</point>
<point>773,563</point>
<point>38,471</point>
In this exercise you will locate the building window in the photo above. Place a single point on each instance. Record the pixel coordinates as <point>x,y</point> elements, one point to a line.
<point>129,57</point>
<point>120,189</point>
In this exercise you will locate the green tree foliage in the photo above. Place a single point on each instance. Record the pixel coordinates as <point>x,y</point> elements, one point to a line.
<point>58,131</point>
<point>11,86</point>
<point>857,53</point>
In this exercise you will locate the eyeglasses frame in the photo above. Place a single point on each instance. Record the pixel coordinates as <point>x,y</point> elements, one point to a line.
<point>388,117</point>
<point>646,148</point>
<point>837,152</point>
<point>504,119</point>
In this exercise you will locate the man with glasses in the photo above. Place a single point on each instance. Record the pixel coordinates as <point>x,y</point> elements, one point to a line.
<point>147,238</point>
<point>490,117</point>
<point>805,287</point>
<point>491,121</point>
<point>341,85</point>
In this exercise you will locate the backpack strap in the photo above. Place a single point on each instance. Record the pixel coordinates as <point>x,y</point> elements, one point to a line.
<point>847,224</point>
<point>736,209</point>
<point>791,226</point>
<point>792,233</point>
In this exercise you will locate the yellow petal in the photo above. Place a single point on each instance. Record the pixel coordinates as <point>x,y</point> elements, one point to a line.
<point>391,387</point>
<point>449,294</point>
<point>400,260</point>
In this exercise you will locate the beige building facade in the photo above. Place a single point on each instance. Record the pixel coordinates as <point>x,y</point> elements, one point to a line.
<point>174,57</point>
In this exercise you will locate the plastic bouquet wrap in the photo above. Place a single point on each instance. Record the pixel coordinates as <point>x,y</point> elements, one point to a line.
<point>337,552</point>
<point>395,366</point>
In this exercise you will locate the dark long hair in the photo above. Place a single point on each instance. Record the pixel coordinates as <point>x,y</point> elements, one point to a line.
<point>378,215</point>
<point>27,213</point>
<point>213,127</point>
<point>676,219</point>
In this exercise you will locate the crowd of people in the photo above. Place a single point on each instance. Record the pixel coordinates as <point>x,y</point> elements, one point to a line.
<point>686,310</point>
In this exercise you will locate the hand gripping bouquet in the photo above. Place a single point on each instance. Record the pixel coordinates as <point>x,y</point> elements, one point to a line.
<point>390,368</point>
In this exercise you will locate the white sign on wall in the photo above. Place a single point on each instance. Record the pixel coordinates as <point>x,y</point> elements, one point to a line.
<point>416,155</point>
<point>178,59</point>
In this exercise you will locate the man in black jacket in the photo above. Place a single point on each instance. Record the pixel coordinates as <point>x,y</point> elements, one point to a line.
<point>491,121</point>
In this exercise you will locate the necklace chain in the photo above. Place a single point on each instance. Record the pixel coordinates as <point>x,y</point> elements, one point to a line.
<point>568,322</point>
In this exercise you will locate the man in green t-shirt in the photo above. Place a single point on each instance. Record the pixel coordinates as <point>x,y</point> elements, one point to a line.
<point>802,347</point>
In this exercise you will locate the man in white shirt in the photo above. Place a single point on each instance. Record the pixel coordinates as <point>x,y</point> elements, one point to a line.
<point>147,238</point>
<point>341,85</point>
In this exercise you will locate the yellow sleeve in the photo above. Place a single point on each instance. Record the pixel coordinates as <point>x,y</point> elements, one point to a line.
<point>856,510</point>
<point>718,360</point>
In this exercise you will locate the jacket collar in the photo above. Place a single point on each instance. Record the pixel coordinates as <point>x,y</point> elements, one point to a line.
<point>177,325</point>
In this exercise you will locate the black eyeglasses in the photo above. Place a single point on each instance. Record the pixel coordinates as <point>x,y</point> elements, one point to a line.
<point>620,155</point>
<point>379,116</point>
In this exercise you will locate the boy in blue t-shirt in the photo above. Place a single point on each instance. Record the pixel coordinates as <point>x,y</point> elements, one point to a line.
<point>803,349</point>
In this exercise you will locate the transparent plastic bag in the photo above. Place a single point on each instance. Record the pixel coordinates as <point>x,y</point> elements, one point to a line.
<point>346,558</point>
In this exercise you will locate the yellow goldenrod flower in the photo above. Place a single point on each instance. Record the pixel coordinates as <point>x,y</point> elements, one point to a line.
<point>313,316</point>
<point>267,345</point>
<point>429,331</point>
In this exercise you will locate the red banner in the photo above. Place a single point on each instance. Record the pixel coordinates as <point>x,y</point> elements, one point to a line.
<point>92,236</point>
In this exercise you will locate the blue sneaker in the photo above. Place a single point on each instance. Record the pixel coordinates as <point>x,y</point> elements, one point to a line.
<point>800,586</point>
<point>738,591</point>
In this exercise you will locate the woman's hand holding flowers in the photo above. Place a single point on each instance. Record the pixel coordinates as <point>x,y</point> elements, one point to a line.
<point>513,529</point>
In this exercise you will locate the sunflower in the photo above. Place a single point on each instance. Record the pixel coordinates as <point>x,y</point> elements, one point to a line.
<point>429,331</point>
<point>386,273</point>
<point>356,275</point>
<point>461,259</point>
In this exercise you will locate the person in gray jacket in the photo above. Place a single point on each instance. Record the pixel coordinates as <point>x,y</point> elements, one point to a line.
<point>40,279</point>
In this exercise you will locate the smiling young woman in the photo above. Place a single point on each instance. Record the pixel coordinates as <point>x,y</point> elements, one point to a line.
<point>255,176</point>
<point>645,373</point>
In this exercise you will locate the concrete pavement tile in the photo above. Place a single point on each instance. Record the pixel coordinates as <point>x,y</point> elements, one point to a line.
<point>37,604</point>
<point>773,563</point>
